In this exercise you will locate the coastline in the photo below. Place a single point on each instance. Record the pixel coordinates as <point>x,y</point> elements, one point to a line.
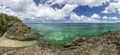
<point>108,44</point>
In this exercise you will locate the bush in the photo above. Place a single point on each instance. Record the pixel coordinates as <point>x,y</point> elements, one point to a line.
<point>3,23</point>
<point>13,28</point>
<point>6,20</point>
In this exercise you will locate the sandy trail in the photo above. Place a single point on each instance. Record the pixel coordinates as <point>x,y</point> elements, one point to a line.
<point>14,43</point>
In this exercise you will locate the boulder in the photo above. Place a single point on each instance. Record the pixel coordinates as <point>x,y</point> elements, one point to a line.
<point>66,45</point>
<point>21,33</point>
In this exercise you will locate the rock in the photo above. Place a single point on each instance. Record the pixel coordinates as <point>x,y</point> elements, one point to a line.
<point>78,39</point>
<point>75,42</point>
<point>66,45</point>
<point>21,34</point>
<point>1,33</point>
<point>108,33</point>
<point>43,44</point>
<point>12,28</point>
<point>108,44</point>
<point>90,46</point>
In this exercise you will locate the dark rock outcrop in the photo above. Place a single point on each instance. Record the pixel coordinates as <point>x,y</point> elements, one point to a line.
<point>13,28</point>
<point>102,45</point>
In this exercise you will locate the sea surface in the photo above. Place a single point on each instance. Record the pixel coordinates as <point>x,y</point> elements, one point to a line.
<point>59,33</point>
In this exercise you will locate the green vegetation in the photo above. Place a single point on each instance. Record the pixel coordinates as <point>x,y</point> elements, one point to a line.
<point>14,29</point>
<point>6,21</point>
<point>3,23</point>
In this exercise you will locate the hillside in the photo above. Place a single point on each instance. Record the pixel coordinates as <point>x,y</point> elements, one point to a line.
<point>12,28</point>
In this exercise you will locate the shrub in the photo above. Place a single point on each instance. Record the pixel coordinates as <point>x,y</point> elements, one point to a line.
<point>5,20</point>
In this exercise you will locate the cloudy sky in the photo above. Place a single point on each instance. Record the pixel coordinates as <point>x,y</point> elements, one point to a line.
<point>65,11</point>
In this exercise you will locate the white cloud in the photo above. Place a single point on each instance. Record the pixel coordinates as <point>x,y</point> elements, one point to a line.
<point>75,18</point>
<point>95,16</point>
<point>28,9</point>
<point>3,9</point>
<point>112,8</point>
<point>118,10</point>
<point>114,18</point>
<point>78,19</point>
<point>21,8</point>
<point>110,19</point>
<point>48,12</point>
<point>90,3</point>
<point>116,0</point>
<point>105,17</point>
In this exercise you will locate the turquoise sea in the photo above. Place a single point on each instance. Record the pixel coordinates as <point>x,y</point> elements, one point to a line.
<point>59,33</point>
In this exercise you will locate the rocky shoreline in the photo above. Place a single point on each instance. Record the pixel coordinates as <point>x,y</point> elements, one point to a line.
<point>107,44</point>
<point>12,28</point>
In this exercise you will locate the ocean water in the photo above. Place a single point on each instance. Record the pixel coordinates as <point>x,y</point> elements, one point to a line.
<point>59,33</point>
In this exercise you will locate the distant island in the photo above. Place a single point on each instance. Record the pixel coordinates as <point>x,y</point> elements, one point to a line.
<point>118,22</point>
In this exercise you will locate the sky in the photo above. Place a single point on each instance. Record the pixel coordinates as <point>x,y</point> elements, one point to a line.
<point>63,11</point>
